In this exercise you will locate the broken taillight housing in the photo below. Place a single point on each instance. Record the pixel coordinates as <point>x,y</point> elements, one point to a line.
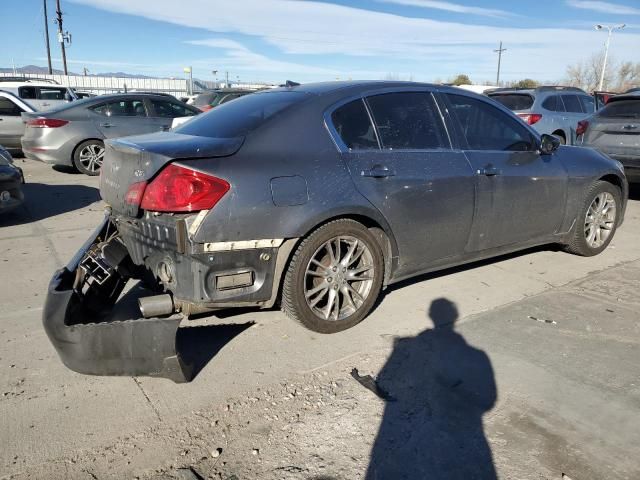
<point>181,189</point>
<point>530,118</point>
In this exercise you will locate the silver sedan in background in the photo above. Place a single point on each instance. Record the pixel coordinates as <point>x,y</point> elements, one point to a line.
<point>73,134</point>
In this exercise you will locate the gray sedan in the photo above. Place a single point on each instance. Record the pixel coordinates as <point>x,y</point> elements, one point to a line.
<point>11,124</point>
<point>73,134</point>
<point>316,197</point>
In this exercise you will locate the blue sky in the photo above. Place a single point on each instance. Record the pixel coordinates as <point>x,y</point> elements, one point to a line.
<point>306,40</point>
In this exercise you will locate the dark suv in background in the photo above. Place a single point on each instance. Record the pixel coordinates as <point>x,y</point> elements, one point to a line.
<point>551,110</point>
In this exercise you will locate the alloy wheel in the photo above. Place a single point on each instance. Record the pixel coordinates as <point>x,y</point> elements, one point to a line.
<point>600,219</point>
<point>339,278</point>
<point>91,157</point>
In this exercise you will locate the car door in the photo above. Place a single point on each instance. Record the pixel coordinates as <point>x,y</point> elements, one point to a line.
<point>399,156</point>
<point>11,126</point>
<point>162,111</point>
<point>121,118</point>
<point>521,194</point>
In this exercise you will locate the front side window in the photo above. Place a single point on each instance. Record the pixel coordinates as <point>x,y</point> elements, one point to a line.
<point>488,128</point>
<point>572,103</point>
<point>169,109</point>
<point>352,123</point>
<point>553,104</point>
<point>124,108</point>
<point>588,103</point>
<point>407,121</point>
<point>8,108</point>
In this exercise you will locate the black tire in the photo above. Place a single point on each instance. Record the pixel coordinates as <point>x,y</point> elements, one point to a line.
<point>579,244</point>
<point>83,163</point>
<point>297,279</point>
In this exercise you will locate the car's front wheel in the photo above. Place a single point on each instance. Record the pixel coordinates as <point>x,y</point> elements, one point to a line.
<point>88,157</point>
<point>597,220</point>
<point>334,277</point>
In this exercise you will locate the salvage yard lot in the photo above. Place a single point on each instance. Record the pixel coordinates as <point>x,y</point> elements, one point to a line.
<point>560,333</point>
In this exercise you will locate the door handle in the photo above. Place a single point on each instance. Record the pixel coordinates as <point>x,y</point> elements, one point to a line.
<point>107,125</point>
<point>378,171</point>
<point>488,171</point>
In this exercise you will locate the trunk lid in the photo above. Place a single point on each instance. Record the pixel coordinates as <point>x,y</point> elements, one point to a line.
<point>614,135</point>
<point>138,159</point>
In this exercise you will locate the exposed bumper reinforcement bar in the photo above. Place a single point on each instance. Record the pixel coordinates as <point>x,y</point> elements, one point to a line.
<point>140,347</point>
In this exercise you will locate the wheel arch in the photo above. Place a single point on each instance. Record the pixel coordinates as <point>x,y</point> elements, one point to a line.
<point>380,230</point>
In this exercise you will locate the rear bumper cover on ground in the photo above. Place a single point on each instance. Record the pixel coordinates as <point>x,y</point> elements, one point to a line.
<point>139,347</point>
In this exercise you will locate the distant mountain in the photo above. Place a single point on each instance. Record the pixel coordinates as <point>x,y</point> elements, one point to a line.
<point>33,69</point>
<point>44,70</point>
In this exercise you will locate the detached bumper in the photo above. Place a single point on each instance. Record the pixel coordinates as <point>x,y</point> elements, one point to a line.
<point>96,345</point>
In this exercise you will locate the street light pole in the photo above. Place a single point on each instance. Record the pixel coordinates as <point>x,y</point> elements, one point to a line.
<point>606,48</point>
<point>46,35</point>
<point>61,36</point>
<point>499,52</point>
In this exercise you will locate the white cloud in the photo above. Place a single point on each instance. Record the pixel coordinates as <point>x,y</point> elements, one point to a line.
<point>318,37</point>
<point>450,7</point>
<point>604,7</point>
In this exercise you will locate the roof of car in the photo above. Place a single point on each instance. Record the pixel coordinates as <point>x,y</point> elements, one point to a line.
<point>13,84</point>
<point>328,87</point>
<point>543,88</point>
<point>624,96</point>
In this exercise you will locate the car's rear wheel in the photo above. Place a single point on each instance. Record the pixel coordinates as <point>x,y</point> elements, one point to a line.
<point>334,277</point>
<point>597,220</point>
<point>88,157</point>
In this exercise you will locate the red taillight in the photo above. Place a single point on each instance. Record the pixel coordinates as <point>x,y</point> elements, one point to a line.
<point>181,189</point>
<point>46,123</point>
<point>582,127</point>
<point>134,194</point>
<point>205,108</point>
<point>530,118</point>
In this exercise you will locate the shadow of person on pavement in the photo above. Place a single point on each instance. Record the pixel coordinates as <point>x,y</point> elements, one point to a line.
<point>441,387</point>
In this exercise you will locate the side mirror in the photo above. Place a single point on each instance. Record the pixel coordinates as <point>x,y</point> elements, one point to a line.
<point>548,144</point>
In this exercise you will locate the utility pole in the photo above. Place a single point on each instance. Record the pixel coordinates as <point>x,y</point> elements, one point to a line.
<point>499,52</point>
<point>46,35</point>
<point>606,48</point>
<point>226,85</point>
<point>61,36</point>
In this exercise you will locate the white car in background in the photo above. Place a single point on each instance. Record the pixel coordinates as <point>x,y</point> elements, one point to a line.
<point>42,95</point>
<point>11,124</point>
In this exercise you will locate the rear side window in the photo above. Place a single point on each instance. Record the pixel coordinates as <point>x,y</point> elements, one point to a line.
<point>352,123</point>
<point>553,104</point>
<point>572,103</point>
<point>407,121</point>
<point>169,109</point>
<point>621,109</point>
<point>487,128</point>
<point>8,108</point>
<point>52,93</point>
<point>124,108</point>
<point>514,101</point>
<point>243,115</point>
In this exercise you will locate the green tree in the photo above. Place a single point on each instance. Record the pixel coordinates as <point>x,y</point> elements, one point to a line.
<point>461,79</point>
<point>526,83</point>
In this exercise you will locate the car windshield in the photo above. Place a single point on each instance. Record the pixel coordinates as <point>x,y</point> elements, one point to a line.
<point>243,115</point>
<point>621,109</point>
<point>514,101</point>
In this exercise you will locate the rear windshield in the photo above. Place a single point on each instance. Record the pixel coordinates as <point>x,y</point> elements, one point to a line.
<point>514,101</point>
<point>621,109</point>
<point>243,115</point>
<point>205,99</point>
